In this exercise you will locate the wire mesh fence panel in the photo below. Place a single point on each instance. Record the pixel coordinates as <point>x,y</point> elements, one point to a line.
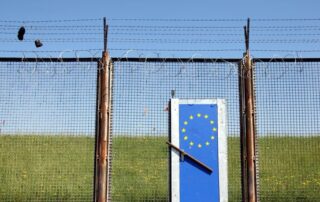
<point>141,92</point>
<point>288,103</point>
<point>47,130</point>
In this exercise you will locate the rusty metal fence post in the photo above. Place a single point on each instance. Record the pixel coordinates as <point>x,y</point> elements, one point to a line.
<point>103,134</point>
<point>103,123</point>
<point>243,150</point>
<point>247,125</point>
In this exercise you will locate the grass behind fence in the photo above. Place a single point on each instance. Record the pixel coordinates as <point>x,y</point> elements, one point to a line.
<point>55,168</point>
<point>46,168</point>
<point>290,169</point>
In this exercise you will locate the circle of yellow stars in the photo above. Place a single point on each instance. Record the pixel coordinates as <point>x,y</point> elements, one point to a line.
<point>185,123</point>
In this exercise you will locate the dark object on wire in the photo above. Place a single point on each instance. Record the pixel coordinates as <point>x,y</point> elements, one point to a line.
<point>38,43</point>
<point>21,33</point>
<point>183,153</point>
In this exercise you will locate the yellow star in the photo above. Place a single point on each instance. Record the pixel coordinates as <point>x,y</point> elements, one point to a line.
<point>214,129</point>
<point>206,116</point>
<point>198,115</point>
<point>212,137</point>
<point>191,143</point>
<point>185,123</point>
<point>183,130</point>
<point>185,137</point>
<point>207,143</point>
<point>191,117</point>
<point>211,122</point>
<point>199,145</point>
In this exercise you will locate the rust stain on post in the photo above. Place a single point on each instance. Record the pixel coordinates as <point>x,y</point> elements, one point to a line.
<point>247,125</point>
<point>243,152</point>
<point>104,129</point>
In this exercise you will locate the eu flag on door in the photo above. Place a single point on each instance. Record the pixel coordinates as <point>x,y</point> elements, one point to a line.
<point>198,135</point>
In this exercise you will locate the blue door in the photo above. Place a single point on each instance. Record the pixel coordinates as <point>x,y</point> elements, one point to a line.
<point>196,134</point>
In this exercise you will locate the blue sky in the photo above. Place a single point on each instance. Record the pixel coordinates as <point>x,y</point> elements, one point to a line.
<point>74,9</point>
<point>165,9</point>
<point>78,80</point>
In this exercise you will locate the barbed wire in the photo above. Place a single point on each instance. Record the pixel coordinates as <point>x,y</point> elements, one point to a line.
<point>193,41</point>
<point>130,30</point>
<point>285,34</point>
<point>174,34</point>
<point>177,20</point>
<point>164,34</point>
<point>71,40</point>
<point>123,33</point>
<point>212,34</point>
<point>163,26</point>
<point>60,29</point>
<point>174,27</point>
<point>163,29</point>
<point>232,64</point>
<point>51,21</point>
<point>180,41</point>
<point>286,50</point>
<point>158,52</point>
<point>284,19</point>
<point>286,29</point>
<point>52,26</point>
<point>168,41</point>
<point>54,33</point>
<point>214,20</point>
<point>51,51</point>
<point>164,20</point>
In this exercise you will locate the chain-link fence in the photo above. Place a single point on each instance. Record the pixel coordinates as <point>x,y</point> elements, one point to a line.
<point>141,92</point>
<point>48,125</point>
<point>287,104</point>
<point>47,129</point>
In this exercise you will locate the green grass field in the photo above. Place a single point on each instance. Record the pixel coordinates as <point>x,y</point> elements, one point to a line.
<point>46,168</point>
<point>60,168</point>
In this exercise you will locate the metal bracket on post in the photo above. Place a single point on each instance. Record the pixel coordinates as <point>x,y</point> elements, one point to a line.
<point>247,124</point>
